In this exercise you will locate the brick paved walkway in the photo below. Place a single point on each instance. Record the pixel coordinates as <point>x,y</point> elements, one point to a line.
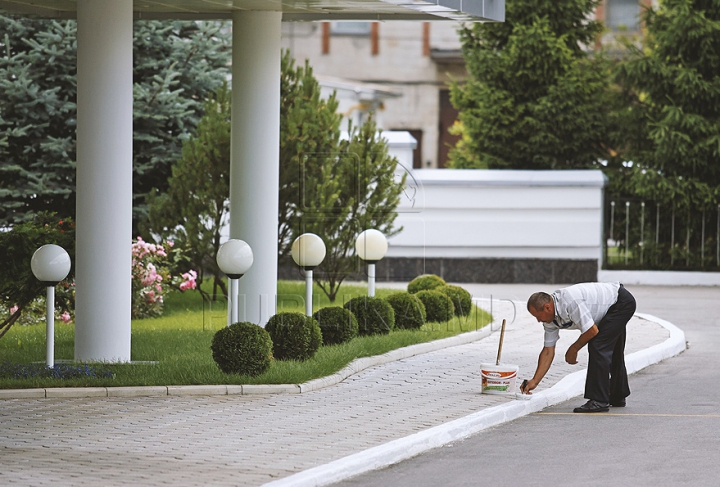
<point>251,440</point>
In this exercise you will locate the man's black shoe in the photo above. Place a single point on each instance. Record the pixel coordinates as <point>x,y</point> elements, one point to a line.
<point>592,406</point>
<point>618,404</point>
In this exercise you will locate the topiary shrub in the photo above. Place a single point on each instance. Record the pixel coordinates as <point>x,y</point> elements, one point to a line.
<point>242,348</point>
<point>409,310</point>
<point>337,324</point>
<point>295,336</point>
<point>461,298</point>
<point>375,316</point>
<point>438,306</point>
<point>425,282</point>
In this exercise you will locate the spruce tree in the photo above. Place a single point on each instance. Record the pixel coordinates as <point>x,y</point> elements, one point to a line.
<point>536,97</point>
<point>37,118</point>
<point>675,80</point>
<point>176,64</point>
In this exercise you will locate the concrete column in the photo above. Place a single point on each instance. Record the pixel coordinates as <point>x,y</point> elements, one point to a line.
<point>255,156</point>
<point>104,180</point>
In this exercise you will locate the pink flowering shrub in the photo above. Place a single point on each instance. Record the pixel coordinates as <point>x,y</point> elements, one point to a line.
<point>151,278</point>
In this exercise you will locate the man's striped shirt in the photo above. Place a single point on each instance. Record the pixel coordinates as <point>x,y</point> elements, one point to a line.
<point>580,306</point>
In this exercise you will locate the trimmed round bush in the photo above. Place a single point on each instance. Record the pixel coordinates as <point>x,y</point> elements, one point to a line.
<point>375,316</point>
<point>409,310</point>
<point>461,298</point>
<point>242,348</point>
<point>295,336</point>
<point>425,282</point>
<point>438,306</point>
<point>337,324</point>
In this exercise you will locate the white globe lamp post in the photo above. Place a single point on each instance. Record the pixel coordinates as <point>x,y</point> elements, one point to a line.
<point>308,251</point>
<point>371,245</point>
<point>50,264</point>
<point>234,258</point>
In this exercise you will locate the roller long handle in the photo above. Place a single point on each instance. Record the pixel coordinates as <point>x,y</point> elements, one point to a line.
<point>502,336</point>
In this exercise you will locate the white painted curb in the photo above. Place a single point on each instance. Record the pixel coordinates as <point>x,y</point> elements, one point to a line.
<point>413,445</point>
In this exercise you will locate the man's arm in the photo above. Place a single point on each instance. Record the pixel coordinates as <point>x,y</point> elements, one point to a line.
<point>571,354</point>
<point>544,361</point>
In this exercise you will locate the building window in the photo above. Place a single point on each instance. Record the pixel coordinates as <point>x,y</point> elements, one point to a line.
<point>350,28</point>
<point>623,15</point>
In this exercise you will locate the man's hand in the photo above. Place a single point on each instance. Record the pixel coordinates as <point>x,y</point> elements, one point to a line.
<point>571,355</point>
<point>529,386</point>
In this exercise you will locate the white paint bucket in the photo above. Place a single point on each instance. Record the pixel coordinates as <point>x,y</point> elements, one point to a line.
<point>498,379</point>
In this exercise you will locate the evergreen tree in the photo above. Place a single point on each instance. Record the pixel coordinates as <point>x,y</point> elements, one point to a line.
<point>37,118</point>
<point>195,207</point>
<point>535,97</point>
<point>175,65</point>
<point>331,187</point>
<point>674,80</point>
<point>328,186</point>
<point>309,138</point>
<point>356,191</point>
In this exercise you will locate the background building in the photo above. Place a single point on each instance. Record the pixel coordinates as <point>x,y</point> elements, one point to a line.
<point>402,70</point>
<point>399,69</point>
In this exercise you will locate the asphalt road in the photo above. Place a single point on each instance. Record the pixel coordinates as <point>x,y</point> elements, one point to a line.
<point>669,433</point>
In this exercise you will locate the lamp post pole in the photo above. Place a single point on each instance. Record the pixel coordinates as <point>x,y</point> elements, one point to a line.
<point>308,291</point>
<point>371,279</point>
<point>308,251</point>
<point>50,264</point>
<point>50,327</point>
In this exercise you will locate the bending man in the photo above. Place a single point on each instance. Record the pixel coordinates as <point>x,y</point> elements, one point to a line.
<point>601,312</point>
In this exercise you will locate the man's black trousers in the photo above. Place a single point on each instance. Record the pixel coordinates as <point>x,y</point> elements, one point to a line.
<point>607,379</point>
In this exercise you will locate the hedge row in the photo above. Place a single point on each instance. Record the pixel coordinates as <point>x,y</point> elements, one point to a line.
<point>247,349</point>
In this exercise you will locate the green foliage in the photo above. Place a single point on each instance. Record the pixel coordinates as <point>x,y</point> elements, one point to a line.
<point>409,310</point>
<point>438,306</point>
<point>176,63</point>
<point>425,282</point>
<point>195,206</point>
<point>295,336</point>
<point>674,92</point>
<point>37,118</point>
<point>535,99</point>
<point>242,348</point>
<point>375,316</point>
<point>18,285</point>
<point>331,187</point>
<point>309,138</point>
<point>338,325</point>
<point>460,297</point>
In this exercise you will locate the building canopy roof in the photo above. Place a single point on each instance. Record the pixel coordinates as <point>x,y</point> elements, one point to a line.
<point>293,10</point>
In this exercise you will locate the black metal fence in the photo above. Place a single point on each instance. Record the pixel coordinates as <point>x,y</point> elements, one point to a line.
<point>651,236</point>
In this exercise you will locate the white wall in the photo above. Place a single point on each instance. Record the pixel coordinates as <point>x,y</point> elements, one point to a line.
<point>501,214</point>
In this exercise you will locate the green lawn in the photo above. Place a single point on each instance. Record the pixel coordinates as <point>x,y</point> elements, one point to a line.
<point>178,344</point>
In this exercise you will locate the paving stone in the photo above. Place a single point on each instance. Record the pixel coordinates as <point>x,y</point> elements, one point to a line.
<point>215,436</point>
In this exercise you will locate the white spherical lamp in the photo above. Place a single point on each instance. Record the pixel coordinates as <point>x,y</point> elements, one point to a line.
<point>308,251</point>
<point>50,264</point>
<point>234,258</point>
<point>371,245</point>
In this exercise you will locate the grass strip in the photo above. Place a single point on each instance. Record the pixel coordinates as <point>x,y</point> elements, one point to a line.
<point>175,349</point>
